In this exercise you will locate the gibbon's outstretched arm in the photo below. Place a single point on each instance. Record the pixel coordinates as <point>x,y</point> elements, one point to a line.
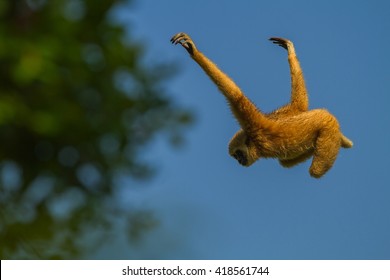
<point>243,109</point>
<point>299,101</point>
<point>291,133</point>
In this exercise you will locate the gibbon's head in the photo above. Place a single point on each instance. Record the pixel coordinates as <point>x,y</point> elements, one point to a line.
<point>242,149</point>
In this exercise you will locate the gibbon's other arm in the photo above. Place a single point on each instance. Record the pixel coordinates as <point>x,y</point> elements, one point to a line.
<point>243,109</point>
<point>299,100</point>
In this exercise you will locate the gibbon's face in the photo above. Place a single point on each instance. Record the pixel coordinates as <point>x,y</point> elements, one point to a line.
<point>242,149</point>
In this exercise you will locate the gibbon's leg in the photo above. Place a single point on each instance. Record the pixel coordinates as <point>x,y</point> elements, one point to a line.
<point>327,144</point>
<point>248,116</point>
<point>299,101</point>
<point>345,142</point>
<point>291,162</point>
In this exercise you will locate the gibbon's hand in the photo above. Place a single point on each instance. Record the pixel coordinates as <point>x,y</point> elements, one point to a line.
<point>184,40</point>
<point>284,43</point>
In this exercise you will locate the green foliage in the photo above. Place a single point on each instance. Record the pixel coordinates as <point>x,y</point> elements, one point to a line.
<point>76,107</point>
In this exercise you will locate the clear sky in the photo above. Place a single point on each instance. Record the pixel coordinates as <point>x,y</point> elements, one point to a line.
<point>209,207</point>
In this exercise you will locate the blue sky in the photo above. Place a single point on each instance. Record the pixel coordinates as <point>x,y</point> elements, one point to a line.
<point>209,207</point>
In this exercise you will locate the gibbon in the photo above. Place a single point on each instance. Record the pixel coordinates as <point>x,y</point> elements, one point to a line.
<point>291,133</point>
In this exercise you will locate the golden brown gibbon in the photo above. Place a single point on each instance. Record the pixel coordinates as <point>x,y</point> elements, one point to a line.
<point>291,133</point>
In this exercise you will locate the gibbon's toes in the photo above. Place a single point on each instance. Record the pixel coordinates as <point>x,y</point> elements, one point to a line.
<point>184,40</point>
<point>280,41</point>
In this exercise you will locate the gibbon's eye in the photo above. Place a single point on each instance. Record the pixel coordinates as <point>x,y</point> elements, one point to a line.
<point>240,157</point>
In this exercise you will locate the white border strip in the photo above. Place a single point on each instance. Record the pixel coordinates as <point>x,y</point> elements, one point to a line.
<point>196,269</point>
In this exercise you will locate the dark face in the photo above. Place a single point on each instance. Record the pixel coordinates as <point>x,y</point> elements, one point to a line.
<point>242,149</point>
<point>240,157</point>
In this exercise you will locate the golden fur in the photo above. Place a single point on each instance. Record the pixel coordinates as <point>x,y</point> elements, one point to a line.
<point>291,133</point>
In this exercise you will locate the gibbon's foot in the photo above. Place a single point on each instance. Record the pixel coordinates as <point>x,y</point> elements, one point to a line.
<point>184,40</point>
<point>284,43</point>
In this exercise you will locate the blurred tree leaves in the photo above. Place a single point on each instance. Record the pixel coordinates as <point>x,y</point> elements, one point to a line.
<point>76,107</point>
